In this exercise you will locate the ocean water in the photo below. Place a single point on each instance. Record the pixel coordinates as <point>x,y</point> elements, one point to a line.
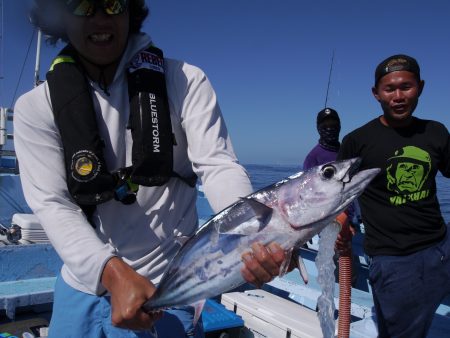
<point>12,200</point>
<point>263,175</point>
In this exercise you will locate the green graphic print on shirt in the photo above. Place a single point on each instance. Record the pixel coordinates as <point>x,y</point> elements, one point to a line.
<point>406,173</point>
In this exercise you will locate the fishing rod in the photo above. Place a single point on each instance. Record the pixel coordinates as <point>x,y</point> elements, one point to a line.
<point>345,263</point>
<point>329,79</point>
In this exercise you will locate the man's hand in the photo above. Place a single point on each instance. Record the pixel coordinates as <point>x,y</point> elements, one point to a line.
<point>129,291</point>
<point>262,264</point>
<point>344,239</point>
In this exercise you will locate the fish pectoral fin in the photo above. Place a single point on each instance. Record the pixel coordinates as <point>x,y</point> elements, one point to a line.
<point>293,255</point>
<point>286,263</point>
<point>263,213</point>
<point>302,269</point>
<point>247,218</point>
<point>198,307</point>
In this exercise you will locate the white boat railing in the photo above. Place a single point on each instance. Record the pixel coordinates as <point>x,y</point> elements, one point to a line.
<point>3,132</point>
<point>8,161</point>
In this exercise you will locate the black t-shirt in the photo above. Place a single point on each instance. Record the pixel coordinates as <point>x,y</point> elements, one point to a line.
<point>399,208</point>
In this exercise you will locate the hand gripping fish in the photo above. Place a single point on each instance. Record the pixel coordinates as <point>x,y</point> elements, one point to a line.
<point>289,213</point>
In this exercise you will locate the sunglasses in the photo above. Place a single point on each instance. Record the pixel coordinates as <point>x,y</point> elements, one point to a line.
<point>89,7</point>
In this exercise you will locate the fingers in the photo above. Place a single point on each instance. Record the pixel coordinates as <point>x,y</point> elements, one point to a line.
<point>249,276</point>
<point>277,253</point>
<point>135,319</point>
<point>262,264</point>
<point>341,245</point>
<point>129,291</point>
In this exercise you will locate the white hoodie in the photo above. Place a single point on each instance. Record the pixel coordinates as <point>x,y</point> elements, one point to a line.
<point>142,233</point>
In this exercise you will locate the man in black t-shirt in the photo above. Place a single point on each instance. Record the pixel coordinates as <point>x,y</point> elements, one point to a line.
<point>406,236</point>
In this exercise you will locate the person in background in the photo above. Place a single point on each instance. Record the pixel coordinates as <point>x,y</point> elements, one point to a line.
<point>329,127</point>
<point>405,233</point>
<point>110,148</point>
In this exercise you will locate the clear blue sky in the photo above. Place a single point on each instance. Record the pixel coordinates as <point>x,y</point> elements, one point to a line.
<point>269,61</point>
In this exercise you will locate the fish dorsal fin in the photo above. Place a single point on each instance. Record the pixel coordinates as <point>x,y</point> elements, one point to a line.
<point>292,254</point>
<point>248,216</point>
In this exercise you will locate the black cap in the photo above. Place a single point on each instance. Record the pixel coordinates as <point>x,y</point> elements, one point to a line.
<point>396,63</point>
<point>327,113</point>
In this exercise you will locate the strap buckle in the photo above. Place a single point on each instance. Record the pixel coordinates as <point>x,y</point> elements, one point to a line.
<point>125,190</point>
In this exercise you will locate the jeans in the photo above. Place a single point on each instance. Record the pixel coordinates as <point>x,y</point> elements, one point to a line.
<point>78,314</point>
<point>407,290</point>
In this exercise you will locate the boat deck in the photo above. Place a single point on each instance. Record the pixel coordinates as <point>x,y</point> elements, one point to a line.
<point>26,292</point>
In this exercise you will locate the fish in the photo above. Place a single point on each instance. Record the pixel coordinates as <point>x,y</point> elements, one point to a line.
<point>289,212</point>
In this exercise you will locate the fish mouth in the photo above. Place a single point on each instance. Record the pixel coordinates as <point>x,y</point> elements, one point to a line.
<point>355,181</point>
<point>354,168</point>
<point>351,171</point>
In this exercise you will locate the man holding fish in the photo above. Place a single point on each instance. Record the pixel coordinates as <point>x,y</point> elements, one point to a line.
<point>115,188</point>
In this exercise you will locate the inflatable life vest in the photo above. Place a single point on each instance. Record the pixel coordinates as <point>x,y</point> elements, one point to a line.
<point>88,179</point>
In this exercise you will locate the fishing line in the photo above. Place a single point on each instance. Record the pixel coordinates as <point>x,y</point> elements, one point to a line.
<point>329,78</point>
<point>23,67</point>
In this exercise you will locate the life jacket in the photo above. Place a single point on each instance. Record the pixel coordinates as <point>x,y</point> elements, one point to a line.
<point>88,179</point>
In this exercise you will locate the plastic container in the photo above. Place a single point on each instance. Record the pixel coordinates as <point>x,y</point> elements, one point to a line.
<point>267,315</point>
<point>218,320</point>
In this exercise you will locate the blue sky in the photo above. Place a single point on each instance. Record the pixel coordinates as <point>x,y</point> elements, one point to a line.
<point>269,61</point>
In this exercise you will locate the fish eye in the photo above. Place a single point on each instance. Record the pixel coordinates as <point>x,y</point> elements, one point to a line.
<point>328,171</point>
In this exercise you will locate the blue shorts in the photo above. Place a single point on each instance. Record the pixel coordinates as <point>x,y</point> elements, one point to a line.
<point>77,314</point>
<point>407,290</point>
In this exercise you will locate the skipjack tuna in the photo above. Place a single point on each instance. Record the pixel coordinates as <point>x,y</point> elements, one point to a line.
<point>289,213</point>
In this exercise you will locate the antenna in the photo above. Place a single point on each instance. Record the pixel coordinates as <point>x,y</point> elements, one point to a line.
<point>38,59</point>
<point>2,59</point>
<point>329,78</point>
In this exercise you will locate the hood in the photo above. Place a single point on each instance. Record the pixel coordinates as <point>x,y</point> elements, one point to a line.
<point>136,43</point>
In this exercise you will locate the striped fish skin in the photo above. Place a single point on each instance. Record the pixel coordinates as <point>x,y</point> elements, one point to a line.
<point>289,212</point>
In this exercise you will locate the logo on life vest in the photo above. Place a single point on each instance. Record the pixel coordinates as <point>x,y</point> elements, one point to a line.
<point>145,59</point>
<point>85,166</point>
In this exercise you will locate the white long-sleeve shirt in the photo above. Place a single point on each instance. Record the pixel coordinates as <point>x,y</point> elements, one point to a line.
<point>142,233</point>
